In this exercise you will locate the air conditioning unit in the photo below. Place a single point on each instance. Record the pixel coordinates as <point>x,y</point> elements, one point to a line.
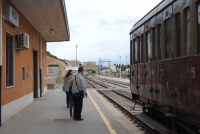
<point>22,41</point>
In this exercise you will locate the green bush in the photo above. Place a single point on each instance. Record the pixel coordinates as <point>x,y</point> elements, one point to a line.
<point>60,80</point>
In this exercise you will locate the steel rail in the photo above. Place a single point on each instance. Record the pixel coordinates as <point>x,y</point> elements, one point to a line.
<point>131,115</point>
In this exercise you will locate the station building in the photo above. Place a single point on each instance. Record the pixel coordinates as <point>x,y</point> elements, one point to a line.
<point>25,27</point>
<point>90,65</point>
<point>56,67</point>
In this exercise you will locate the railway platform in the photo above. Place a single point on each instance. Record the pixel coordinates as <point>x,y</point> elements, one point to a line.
<point>49,115</point>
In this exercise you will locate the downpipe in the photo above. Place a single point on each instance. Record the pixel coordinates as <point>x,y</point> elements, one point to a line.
<point>0,96</point>
<point>40,83</point>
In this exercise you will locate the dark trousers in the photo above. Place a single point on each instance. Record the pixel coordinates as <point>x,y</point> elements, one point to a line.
<point>78,104</point>
<point>67,98</point>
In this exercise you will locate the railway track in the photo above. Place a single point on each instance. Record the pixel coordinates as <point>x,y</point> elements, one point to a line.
<point>133,109</point>
<point>128,106</point>
<point>115,83</point>
<point>95,84</point>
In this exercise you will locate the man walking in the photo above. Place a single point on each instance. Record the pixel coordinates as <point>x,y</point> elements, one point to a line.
<point>79,91</point>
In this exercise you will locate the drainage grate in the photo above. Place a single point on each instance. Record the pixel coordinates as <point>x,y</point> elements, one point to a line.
<point>60,120</point>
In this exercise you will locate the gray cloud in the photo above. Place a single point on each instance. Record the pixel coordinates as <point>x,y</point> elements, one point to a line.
<point>100,28</point>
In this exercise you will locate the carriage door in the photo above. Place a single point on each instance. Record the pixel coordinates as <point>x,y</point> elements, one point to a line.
<point>131,62</point>
<point>153,66</point>
<point>141,67</point>
<point>166,71</point>
<point>194,70</point>
<point>135,66</point>
<point>184,68</point>
<point>159,69</point>
<point>147,68</point>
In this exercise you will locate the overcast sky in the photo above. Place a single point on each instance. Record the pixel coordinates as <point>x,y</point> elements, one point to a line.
<point>101,29</point>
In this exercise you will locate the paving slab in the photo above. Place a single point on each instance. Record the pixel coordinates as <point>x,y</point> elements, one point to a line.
<point>49,115</point>
<point>121,123</point>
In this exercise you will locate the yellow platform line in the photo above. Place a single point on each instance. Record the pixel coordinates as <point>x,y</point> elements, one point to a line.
<point>106,121</point>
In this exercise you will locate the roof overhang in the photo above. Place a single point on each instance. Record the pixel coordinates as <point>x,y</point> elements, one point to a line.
<point>48,17</point>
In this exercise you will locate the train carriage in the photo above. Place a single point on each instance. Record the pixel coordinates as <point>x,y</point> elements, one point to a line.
<point>165,62</point>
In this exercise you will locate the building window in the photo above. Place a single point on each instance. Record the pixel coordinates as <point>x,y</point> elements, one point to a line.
<point>187,32</point>
<point>159,42</point>
<point>168,45</point>
<point>198,29</point>
<point>23,73</point>
<point>9,60</point>
<point>148,46</point>
<point>141,50</point>
<point>153,44</point>
<point>178,34</point>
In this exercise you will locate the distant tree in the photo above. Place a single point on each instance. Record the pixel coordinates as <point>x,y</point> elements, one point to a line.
<point>51,55</point>
<point>48,53</point>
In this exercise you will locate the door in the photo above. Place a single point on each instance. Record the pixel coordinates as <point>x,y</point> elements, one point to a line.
<point>141,79</point>
<point>135,78</point>
<point>193,78</point>
<point>148,80</point>
<point>35,74</point>
<point>159,82</point>
<point>183,83</point>
<point>167,77</point>
<point>154,76</point>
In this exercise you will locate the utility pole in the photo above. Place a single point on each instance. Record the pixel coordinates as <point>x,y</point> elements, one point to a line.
<point>120,67</point>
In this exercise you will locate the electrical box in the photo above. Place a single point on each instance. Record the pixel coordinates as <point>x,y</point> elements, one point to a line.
<point>11,16</point>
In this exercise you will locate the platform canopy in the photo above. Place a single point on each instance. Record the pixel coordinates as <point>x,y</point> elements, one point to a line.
<point>49,17</point>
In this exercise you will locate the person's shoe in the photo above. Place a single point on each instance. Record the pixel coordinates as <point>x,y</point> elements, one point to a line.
<point>80,119</point>
<point>67,106</point>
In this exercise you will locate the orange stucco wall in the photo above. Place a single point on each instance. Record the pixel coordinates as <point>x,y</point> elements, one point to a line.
<point>22,58</point>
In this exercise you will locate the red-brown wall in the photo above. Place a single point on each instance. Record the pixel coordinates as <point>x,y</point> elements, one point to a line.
<point>22,58</point>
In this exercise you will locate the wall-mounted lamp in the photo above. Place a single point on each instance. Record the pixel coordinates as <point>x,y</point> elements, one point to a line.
<point>52,31</point>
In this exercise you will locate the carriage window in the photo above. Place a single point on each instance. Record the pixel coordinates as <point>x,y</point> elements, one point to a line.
<point>159,42</point>
<point>187,27</point>
<point>153,44</point>
<point>178,34</point>
<point>141,50</point>
<point>131,52</point>
<point>138,50</point>
<point>198,38</point>
<point>168,46</point>
<point>148,46</point>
